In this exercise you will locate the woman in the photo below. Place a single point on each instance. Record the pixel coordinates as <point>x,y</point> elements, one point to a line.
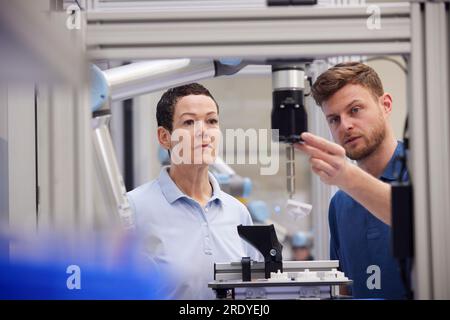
<point>187,222</point>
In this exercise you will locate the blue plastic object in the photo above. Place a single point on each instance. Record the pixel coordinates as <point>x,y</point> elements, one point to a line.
<point>258,210</point>
<point>230,61</point>
<point>50,275</point>
<point>222,178</point>
<point>99,88</point>
<point>248,186</point>
<point>163,156</point>
<point>300,239</point>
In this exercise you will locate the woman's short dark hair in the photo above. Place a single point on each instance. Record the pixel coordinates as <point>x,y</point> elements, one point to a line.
<point>166,105</point>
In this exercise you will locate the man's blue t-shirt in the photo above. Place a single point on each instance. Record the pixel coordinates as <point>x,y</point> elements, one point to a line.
<point>362,243</point>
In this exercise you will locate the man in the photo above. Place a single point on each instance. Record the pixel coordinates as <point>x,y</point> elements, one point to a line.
<point>357,110</point>
<point>187,222</point>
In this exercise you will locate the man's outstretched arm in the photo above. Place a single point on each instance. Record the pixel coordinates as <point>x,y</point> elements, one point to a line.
<point>329,162</point>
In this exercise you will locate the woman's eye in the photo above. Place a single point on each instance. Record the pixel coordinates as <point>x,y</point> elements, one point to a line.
<point>188,122</point>
<point>213,121</point>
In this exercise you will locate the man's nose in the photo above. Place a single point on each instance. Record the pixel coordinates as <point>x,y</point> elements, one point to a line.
<point>346,123</point>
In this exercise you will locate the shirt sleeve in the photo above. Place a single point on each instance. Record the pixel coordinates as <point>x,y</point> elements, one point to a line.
<point>334,240</point>
<point>133,210</point>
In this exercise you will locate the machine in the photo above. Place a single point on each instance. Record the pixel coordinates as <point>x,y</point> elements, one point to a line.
<point>275,278</point>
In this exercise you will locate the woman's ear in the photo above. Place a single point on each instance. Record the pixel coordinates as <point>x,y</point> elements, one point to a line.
<point>164,138</point>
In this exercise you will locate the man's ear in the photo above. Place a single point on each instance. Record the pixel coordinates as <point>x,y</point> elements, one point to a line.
<point>386,103</point>
<point>164,138</point>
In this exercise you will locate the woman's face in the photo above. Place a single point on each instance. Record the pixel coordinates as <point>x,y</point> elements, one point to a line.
<point>196,133</point>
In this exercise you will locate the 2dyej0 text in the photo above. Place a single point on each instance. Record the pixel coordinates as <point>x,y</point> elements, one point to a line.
<point>233,309</point>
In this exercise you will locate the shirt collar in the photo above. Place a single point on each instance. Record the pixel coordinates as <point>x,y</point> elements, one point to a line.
<point>173,193</point>
<point>394,165</point>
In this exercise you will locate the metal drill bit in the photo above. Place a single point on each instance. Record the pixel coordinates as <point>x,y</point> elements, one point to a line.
<point>290,169</point>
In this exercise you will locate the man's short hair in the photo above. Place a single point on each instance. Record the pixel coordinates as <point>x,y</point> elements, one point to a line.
<point>335,78</point>
<point>166,105</point>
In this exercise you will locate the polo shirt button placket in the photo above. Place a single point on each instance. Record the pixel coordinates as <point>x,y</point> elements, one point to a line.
<point>206,239</point>
<point>208,249</point>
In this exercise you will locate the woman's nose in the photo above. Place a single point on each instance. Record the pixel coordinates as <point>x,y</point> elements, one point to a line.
<point>200,128</point>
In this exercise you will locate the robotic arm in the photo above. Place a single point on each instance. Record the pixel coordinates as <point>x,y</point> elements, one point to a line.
<point>288,114</point>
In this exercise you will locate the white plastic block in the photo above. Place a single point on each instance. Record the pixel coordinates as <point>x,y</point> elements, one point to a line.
<point>334,275</point>
<point>298,209</point>
<point>279,276</point>
<point>307,276</point>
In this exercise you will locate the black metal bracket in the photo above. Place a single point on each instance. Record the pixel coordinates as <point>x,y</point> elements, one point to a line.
<point>264,239</point>
<point>246,269</point>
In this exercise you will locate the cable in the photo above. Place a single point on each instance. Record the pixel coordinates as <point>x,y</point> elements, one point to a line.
<point>386,58</point>
<point>79,6</point>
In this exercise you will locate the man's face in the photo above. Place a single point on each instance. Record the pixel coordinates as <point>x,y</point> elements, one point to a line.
<point>196,133</point>
<point>357,120</point>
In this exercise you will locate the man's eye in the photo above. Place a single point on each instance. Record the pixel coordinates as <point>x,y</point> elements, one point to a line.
<point>188,122</point>
<point>332,120</point>
<point>355,109</point>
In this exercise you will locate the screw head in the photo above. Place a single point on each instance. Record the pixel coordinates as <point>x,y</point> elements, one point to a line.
<point>273,252</point>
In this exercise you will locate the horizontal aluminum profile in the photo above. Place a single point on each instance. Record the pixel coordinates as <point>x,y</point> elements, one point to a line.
<point>251,33</point>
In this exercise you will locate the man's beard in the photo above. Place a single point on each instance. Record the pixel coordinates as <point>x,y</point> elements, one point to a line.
<point>372,141</point>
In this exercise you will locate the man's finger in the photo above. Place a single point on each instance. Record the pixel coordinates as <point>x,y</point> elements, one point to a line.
<point>317,153</point>
<point>322,144</point>
<point>322,165</point>
<point>322,174</point>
